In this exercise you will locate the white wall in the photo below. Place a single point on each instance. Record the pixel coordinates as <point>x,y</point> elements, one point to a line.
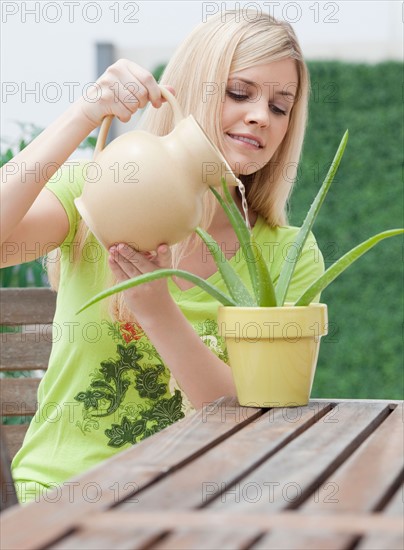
<point>49,46</point>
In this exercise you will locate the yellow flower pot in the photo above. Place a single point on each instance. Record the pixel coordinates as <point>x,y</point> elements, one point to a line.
<point>273,352</point>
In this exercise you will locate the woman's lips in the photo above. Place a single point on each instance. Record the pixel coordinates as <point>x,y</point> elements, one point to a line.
<point>246,141</point>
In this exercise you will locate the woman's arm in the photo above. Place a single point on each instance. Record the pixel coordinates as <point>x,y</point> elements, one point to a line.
<point>24,177</point>
<point>199,372</point>
<point>120,91</point>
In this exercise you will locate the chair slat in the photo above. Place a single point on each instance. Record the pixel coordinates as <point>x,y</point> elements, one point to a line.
<point>14,436</point>
<point>25,351</point>
<point>25,306</point>
<point>18,396</point>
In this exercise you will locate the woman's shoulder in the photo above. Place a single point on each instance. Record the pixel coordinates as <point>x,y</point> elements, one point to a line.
<point>69,178</point>
<point>67,184</point>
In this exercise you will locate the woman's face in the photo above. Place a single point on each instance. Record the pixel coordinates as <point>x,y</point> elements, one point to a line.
<point>256,113</point>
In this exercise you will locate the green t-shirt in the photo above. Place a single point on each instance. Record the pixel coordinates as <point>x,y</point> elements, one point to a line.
<point>106,387</point>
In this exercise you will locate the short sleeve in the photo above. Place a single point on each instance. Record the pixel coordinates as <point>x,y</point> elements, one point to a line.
<point>67,184</point>
<point>309,267</point>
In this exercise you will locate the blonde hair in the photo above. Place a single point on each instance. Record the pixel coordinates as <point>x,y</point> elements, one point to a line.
<point>227,43</point>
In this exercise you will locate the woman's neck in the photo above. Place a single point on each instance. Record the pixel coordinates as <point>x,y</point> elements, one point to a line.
<point>221,221</point>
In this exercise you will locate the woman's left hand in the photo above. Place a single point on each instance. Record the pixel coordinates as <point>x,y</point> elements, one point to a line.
<point>146,300</point>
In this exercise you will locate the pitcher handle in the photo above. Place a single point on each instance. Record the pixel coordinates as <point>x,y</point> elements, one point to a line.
<point>178,116</point>
<point>107,121</point>
<point>102,135</point>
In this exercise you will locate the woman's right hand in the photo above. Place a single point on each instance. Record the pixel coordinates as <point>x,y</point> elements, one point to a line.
<point>121,90</point>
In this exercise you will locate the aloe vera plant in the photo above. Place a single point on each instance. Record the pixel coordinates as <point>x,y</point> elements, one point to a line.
<point>265,295</point>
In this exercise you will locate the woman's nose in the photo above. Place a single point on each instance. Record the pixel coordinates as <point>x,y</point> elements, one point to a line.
<point>258,113</point>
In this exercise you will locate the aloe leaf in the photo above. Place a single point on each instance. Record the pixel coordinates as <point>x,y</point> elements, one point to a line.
<point>266,290</point>
<point>238,229</point>
<point>259,272</point>
<point>235,285</point>
<point>258,269</point>
<point>342,264</point>
<point>289,265</point>
<point>241,223</point>
<point>243,236</point>
<point>161,274</point>
<point>242,232</point>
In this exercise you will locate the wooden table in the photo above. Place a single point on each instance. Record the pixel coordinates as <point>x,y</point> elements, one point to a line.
<point>325,476</point>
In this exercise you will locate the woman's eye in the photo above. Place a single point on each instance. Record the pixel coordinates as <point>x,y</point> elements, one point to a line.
<point>237,96</point>
<point>278,111</point>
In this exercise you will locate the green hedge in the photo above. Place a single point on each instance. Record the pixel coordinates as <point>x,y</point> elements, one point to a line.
<point>363,355</point>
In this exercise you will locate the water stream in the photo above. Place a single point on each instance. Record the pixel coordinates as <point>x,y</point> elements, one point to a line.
<point>244,203</point>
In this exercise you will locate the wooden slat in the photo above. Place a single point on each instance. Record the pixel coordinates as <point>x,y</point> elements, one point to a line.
<point>299,468</point>
<point>127,530</point>
<point>18,396</point>
<point>359,485</point>
<point>185,540</point>
<point>26,306</point>
<point>289,519</point>
<point>392,541</point>
<point>122,538</point>
<point>229,460</point>
<point>367,477</point>
<point>320,537</point>
<point>310,459</point>
<point>25,351</point>
<point>14,435</point>
<point>134,468</point>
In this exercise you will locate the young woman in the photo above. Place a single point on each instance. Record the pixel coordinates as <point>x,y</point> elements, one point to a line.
<point>118,374</point>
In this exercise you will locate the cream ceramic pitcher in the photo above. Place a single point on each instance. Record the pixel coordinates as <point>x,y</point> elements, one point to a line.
<point>146,190</point>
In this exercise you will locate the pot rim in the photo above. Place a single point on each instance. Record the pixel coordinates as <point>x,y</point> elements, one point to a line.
<point>288,307</point>
<point>234,320</point>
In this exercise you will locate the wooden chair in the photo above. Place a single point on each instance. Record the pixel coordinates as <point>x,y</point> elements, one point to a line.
<point>32,311</point>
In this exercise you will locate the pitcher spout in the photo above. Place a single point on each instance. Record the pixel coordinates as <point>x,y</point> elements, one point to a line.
<point>214,172</point>
<point>215,168</point>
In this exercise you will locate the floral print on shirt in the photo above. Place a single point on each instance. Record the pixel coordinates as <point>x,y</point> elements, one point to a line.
<point>137,367</point>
